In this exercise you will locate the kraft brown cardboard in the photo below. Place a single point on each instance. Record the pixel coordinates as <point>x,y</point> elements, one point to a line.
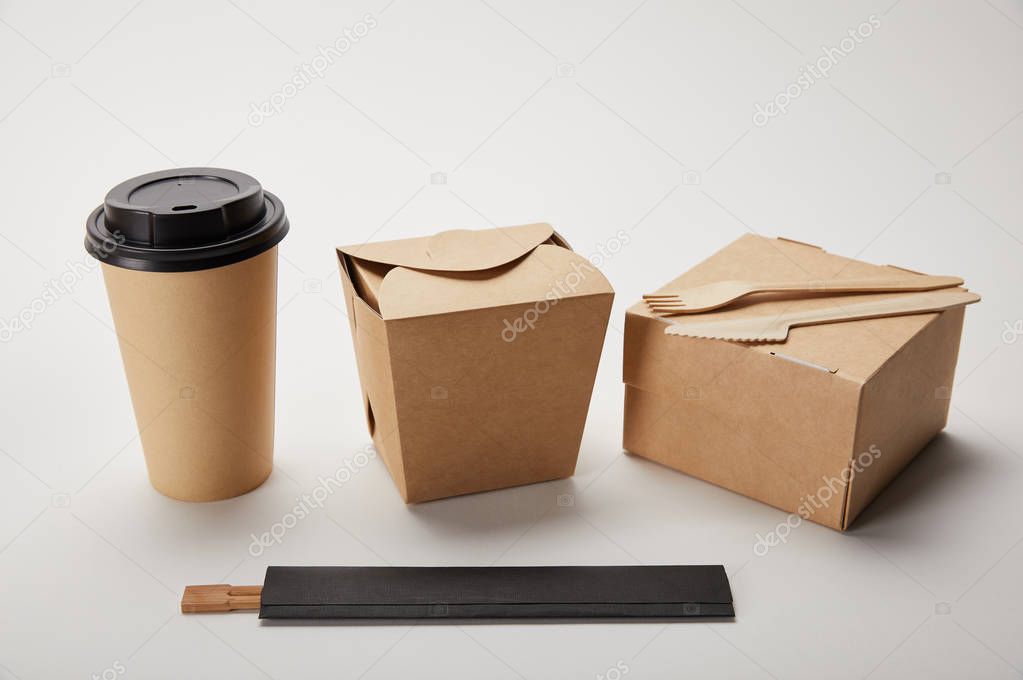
<point>198,350</point>
<point>477,352</point>
<point>817,425</point>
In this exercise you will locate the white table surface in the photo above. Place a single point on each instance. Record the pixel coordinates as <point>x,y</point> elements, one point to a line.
<point>92,559</point>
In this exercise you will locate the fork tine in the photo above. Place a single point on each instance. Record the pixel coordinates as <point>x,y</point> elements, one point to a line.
<point>677,303</point>
<point>662,296</point>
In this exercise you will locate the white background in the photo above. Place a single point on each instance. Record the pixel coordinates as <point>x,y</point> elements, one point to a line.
<point>93,560</point>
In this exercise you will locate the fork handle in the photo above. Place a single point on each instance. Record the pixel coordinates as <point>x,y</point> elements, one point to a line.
<point>876,283</point>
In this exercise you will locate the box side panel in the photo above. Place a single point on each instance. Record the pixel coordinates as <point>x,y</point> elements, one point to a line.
<point>765,427</point>
<point>481,407</point>
<point>369,335</point>
<point>903,406</point>
<point>348,290</point>
<point>685,437</point>
<point>669,364</point>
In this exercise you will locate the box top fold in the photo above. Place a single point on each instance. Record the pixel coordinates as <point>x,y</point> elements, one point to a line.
<point>456,250</point>
<point>461,270</point>
<point>854,350</point>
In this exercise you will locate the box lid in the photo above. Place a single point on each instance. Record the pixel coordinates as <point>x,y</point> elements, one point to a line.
<point>455,250</point>
<point>463,269</point>
<point>852,349</point>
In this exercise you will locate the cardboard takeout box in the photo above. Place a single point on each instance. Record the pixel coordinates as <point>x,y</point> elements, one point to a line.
<point>817,425</point>
<point>477,352</point>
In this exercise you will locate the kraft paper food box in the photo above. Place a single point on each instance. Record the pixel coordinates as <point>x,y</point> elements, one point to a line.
<point>817,425</point>
<point>477,352</point>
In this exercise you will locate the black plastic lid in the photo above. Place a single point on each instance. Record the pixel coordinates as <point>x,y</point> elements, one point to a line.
<point>185,219</point>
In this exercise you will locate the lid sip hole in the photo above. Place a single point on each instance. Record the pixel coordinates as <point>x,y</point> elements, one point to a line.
<point>179,208</point>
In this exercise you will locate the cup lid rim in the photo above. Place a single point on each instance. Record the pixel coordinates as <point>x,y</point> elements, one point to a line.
<point>263,224</point>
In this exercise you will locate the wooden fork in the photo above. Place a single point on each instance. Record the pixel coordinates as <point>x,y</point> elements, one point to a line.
<point>775,328</point>
<point>718,294</point>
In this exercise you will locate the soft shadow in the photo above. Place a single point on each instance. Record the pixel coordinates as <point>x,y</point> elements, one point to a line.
<point>515,508</point>
<point>946,462</point>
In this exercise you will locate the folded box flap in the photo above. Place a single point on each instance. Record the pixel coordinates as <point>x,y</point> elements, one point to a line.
<point>545,276</point>
<point>854,349</point>
<point>457,250</point>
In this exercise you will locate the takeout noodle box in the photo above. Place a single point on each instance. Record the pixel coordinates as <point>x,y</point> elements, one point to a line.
<point>817,425</point>
<point>477,352</point>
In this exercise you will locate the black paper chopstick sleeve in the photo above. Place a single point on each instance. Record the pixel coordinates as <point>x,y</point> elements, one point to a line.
<point>495,592</point>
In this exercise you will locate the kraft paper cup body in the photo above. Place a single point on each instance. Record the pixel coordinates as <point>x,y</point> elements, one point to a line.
<point>199,355</point>
<point>189,258</point>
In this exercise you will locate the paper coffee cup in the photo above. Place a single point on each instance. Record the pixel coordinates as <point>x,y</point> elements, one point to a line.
<point>189,259</point>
